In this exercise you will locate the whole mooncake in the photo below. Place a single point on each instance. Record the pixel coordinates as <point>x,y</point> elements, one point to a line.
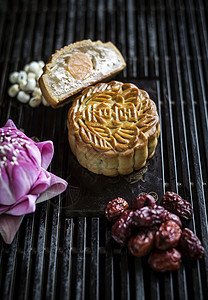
<point>113,128</point>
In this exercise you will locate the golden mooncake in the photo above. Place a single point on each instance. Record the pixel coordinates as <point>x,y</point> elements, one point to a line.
<point>76,66</point>
<point>113,128</point>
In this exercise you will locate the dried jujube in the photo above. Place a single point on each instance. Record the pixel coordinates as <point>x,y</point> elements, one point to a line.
<point>141,243</point>
<point>165,260</point>
<point>149,216</point>
<point>115,208</point>
<point>147,226</point>
<point>168,235</point>
<point>122,228</point>
<point>190,245</point>
<point>172,217</point>
<point>142,200</point>
<point>175,204</point>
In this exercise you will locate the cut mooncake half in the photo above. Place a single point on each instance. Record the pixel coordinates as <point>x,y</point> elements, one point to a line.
<point>76,66</point>
<point>113,128</point>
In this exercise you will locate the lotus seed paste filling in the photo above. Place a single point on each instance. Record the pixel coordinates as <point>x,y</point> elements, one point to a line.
<point>99,61</point>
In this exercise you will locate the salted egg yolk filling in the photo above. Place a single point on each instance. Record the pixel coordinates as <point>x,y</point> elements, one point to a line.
<point>79,65</point>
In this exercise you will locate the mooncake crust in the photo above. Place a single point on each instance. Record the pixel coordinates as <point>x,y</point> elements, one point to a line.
<point>113,128</point>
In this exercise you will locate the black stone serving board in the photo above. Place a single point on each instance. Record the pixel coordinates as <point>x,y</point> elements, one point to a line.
<point>87,193</point>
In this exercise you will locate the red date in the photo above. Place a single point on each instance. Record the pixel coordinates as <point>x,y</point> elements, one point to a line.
<point>149,216</point>
<point>175,204</point>
<point>122,228</point>
<point>190,245</point>
<point>149,227</point>
<point>173,217</point>
<point>115,208</point>
<point>142,243</point>
<point>167,236</point>
<point>165,260</point>
<point>142,200</point>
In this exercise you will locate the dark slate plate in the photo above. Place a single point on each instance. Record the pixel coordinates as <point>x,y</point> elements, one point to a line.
<point>88,193</point>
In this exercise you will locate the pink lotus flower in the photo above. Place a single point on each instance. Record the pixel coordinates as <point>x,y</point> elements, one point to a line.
<point>24,181</point>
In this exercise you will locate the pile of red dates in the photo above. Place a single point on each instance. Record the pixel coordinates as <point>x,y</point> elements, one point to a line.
<point>147,228</point>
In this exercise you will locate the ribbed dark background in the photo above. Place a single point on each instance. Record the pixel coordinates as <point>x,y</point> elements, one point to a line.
<point>55,256</point>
